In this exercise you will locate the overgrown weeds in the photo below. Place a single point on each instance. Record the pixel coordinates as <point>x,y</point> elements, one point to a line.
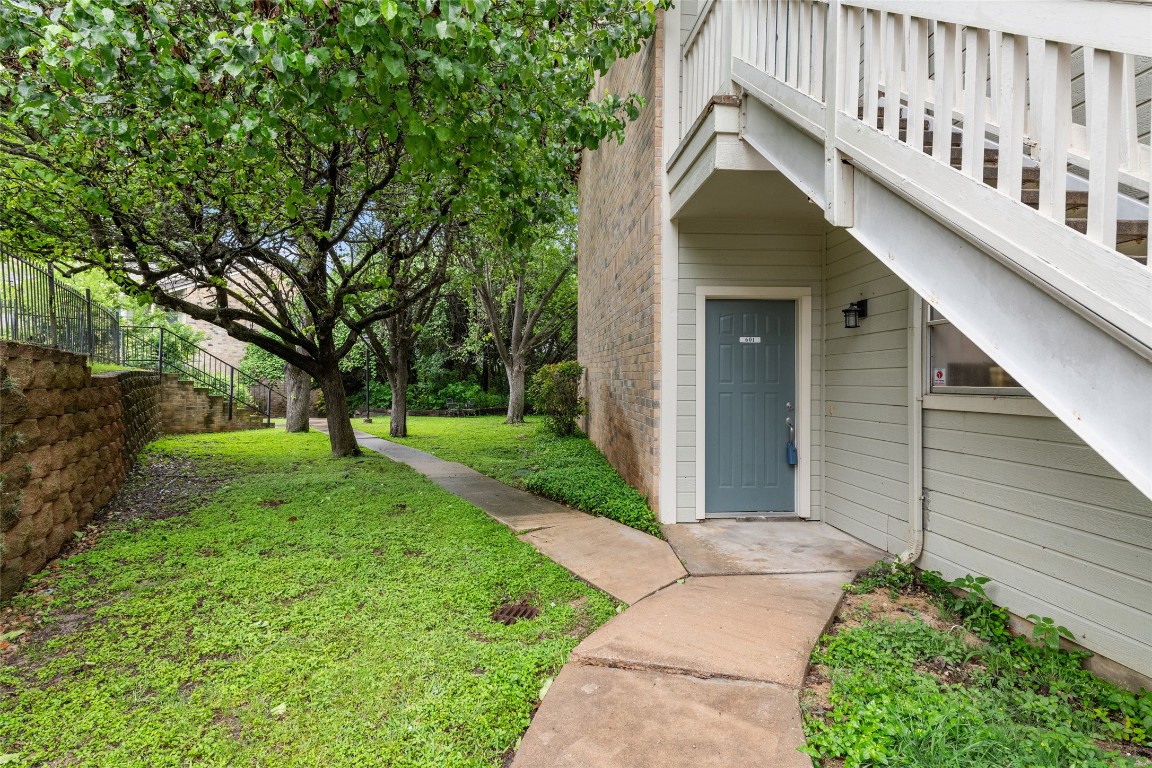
<point>920,671</point>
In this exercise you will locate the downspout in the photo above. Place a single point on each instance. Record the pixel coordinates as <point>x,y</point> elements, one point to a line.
<point>915,430</point>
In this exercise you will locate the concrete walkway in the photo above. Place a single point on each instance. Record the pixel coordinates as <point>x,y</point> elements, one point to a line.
<point>705,667</point>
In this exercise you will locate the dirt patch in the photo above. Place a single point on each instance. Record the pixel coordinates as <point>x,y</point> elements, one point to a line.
<point>583,620</point>
<point>273,502</point>
<point>1142,754</point>
<point>880,606</point>
<point>159,488</point>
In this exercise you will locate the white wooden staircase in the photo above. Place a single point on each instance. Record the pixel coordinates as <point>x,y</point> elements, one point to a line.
<point>1027,227</point>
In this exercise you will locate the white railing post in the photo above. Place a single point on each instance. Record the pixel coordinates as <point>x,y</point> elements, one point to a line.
<point>1103,106</point>
<point>1013,77</point>
<point>917,80</point>
<point>944,97</point>
<point>975,83</point>
<point>804,48</point>
<point>872,43</point>
<point>1055,113</point>
<point>840,78</point>
<point>819,48</point>
<point>726,46</point>
<point>893,52</point>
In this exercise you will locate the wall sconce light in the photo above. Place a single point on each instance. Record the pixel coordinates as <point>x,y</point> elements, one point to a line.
<point>857,311</point>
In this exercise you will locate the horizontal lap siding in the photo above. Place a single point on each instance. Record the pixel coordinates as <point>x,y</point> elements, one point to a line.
<point>740,253</point>
<point>866,396</point>
<point>1025,502</point>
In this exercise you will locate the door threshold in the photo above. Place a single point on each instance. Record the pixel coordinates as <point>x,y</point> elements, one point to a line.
<point>756,517</point>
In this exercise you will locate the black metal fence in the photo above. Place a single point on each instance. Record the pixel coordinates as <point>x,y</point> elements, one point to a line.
<point>38,308</point>
<point>165,351</point>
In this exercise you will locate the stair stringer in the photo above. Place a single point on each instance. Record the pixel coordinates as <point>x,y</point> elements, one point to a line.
<point>1091,381</point>
<point>1096,380</point>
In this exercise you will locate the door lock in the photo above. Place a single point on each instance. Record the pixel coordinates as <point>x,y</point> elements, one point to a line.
<point>789,407</point>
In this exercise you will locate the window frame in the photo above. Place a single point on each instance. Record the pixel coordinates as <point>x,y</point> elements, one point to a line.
<point>967,391</point>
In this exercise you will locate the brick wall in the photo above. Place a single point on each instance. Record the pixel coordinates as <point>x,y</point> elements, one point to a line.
<point>67,441</point>
<point>216,340</point>
<point>188,409</point>
<point>619,247</point>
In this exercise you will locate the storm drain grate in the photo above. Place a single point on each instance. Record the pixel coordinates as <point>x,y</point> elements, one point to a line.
<point>510,613</point>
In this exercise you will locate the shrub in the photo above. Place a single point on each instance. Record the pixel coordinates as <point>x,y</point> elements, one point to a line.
<point>555,394</point>
<point>470,392</point>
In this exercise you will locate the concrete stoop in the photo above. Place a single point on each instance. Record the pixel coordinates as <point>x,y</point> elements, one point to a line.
<point>700,670</point>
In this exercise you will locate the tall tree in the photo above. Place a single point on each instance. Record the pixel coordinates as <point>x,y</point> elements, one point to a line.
<point>519,285</point>
<point>250,146</point>
<point>393,339</point>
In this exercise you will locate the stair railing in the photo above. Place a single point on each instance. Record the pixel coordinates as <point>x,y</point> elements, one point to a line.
<point>165,351</point>
<point>1054,82</point>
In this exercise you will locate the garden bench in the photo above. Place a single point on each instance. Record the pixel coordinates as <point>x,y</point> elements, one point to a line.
<point>452,407</point>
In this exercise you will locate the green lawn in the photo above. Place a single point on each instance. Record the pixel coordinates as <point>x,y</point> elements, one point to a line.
<point>313,612</point>
<point>570,470</point>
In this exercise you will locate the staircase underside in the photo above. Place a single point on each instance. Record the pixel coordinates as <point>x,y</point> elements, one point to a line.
<point>1068,319</point>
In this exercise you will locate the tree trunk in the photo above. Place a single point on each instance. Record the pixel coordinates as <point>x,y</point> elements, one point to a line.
<point>298,391</point>
<point>515,391</point>
<point>340,434</point>
<point>398,419</point>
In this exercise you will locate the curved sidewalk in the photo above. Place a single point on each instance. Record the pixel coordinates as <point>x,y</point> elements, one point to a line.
<point>705,667</point>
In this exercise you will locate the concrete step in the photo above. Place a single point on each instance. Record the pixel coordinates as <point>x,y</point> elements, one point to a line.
<point>1127,231</point>
<point>1075,200</point>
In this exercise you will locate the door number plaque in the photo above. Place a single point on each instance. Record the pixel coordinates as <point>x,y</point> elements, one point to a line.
<point>749,339</point>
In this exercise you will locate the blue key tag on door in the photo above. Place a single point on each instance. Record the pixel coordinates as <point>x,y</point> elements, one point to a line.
<point>793,459</point>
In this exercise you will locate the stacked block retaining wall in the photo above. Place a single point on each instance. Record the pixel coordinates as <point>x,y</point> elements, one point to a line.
<point>68,439</point>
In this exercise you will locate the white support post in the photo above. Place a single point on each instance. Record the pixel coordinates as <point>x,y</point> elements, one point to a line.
<point>975,101</point>
<point>1056,101</point>
<point>917,80</point>
<point>944,45</point>
<point>1013,57</point>
<point>1103,104</point>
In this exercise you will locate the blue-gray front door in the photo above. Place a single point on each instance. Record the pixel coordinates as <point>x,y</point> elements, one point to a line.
<point>750,395</point>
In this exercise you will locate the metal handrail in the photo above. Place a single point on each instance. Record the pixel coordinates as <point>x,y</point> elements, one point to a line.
<point>166,351</point>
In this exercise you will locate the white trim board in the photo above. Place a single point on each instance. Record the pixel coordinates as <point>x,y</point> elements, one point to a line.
<point>669,263</point>
<point>803,299</point>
